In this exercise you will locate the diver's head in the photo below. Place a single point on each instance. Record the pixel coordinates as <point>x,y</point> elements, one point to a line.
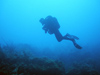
<point>42,21</point>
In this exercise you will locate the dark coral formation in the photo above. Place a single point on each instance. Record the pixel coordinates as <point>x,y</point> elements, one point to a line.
<point>23,65</point>
<point>14,62</point>
<point>82,69</point>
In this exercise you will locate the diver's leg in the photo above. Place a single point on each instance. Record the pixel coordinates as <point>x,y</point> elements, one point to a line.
<point>58,35</point>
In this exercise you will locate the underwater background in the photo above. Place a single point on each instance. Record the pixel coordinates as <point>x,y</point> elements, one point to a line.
<point>25,49</point>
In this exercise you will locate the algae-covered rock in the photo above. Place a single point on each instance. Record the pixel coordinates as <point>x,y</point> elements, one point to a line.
<point>23,65</point>
<point>42,66</point>
<point>82,69</point>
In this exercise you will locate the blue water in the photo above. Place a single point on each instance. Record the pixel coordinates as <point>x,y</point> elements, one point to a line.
<point>19,24</point>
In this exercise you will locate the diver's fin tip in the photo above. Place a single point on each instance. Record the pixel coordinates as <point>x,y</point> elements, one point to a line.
<point>77,46</point>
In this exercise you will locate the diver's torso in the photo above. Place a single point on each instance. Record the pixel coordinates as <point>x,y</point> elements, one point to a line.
<point>52,23</point>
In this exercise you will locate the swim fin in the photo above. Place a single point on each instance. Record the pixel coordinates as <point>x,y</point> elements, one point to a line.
<point>77,46</point>
<point>75,37</point>
<point>72,36</point>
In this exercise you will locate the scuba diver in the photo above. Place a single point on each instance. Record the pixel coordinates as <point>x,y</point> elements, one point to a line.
<point>51,25</point>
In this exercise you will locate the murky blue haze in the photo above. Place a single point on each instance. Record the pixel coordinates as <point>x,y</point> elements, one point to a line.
<point>19,24</point>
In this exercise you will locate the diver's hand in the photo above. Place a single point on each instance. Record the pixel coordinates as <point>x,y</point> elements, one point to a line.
<point>45,31</point>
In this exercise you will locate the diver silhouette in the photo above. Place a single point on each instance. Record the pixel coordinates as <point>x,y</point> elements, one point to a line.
<point>51,25</point>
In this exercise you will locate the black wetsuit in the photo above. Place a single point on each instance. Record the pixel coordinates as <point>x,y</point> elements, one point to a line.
<point>51,24</point>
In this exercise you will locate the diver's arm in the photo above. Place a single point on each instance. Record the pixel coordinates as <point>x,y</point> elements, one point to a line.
<point>45,29</point>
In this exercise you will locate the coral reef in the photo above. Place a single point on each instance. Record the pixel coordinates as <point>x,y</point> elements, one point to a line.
<point>18,61</point>
<point>82,69</point>
<point>23,65</point>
